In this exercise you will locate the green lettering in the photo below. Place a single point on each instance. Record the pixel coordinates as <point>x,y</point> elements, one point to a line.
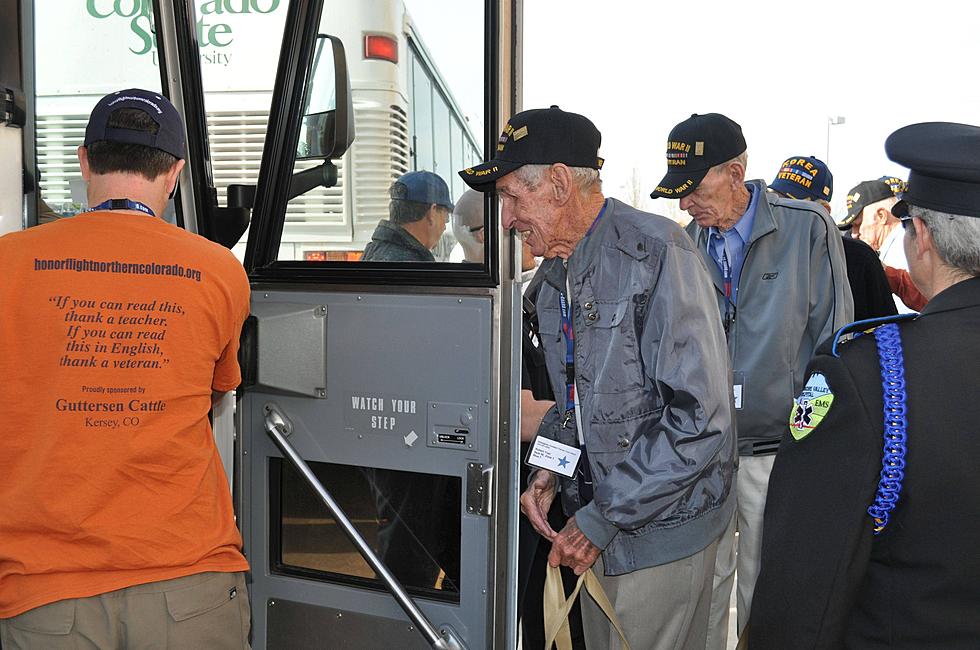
<point>211,7</point>
<point>217,30</point>
<point>93,11</point>
<point>273,5</point>
<point>144,34</point>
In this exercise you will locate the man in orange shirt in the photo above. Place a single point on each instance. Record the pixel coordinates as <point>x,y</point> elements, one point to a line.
<point>118,329</point>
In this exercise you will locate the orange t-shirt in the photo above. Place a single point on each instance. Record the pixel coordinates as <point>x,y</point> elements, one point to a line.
<point>114,329</point>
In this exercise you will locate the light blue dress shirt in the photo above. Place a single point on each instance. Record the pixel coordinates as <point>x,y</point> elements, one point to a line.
<point>733,242</point>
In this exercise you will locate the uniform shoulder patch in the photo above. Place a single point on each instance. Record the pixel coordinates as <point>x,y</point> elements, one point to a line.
<point>810,407</point>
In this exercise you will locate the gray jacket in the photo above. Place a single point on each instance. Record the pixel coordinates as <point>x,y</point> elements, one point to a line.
<point>792,294</point>
<point>654,389</point>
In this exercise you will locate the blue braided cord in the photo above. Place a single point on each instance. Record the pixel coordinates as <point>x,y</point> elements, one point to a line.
<point>892,364</point>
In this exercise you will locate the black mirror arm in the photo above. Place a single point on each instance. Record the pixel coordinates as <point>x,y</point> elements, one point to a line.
<point>324,175</point>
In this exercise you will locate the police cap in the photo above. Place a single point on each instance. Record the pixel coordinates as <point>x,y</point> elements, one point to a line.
<point>944,167</point>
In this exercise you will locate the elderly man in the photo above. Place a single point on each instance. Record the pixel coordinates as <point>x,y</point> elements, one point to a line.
<point>417,216</point>
<point>781,287</point>
<point>865,546</point>
<point>807,178</point>
<point>469,228</point>
<point>870,219</point>
<point>118,527</point>
<point>636,353</point>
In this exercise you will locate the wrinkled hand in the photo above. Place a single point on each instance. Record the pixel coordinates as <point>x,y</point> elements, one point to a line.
<point>573,549</point>
<point>536,502</point>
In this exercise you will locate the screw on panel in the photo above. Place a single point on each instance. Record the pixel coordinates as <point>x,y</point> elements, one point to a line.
<point>272,603</point>
<point>321,310</point>
<point>265,295</point>
<point>470,446</point>
<point>411,628</point>
<point>486,401</point>
<point>358,297</point>
<point>459,300</point>
<point>321,392</point>
<point>360,436</point>
<point>340,614</point>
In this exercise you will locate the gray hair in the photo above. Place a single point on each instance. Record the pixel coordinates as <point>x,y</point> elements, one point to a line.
<point>742,159</point>
<point>957,238</point>
<point>583,177</point>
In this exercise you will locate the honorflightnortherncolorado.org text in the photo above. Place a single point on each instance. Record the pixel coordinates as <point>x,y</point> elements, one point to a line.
<point>115,266</point>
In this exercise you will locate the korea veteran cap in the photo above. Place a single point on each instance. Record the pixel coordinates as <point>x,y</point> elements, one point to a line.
<point>169,136</point>
<point>944,167</point>
<point>861,196</point>
<point>540,136</point>
<point>804,177</point>
<point>693,147</point>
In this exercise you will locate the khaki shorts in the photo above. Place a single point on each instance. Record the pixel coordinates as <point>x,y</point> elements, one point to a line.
<point>208,611</point>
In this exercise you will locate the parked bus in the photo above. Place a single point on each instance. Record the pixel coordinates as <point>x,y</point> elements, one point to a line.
<point>407,117</point>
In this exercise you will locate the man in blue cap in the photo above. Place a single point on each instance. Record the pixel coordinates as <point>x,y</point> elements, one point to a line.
<point>871,531</point>
<point>418,212</point>
<point>807,178</point>
<point>118,525</point>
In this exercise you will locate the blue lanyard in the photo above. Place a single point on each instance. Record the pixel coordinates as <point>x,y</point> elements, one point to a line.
<point>602,211</point>
<point>123,204</point>
<point>566,327</point>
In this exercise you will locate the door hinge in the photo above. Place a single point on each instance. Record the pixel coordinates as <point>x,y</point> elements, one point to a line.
<point>479,487</point>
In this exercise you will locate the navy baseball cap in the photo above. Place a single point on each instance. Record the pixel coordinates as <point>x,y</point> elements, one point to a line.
<point>695,146</point>
<point>421,187</point>
<point>861,196</point>
<point>169,137</point>
<point>804,177</point>
<point>540,136</point>
<point>944,167</point>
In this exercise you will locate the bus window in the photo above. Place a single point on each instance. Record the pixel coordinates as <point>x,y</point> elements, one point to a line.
<point>411,520</point>
<point>84,50</point>
<point>418,106</point>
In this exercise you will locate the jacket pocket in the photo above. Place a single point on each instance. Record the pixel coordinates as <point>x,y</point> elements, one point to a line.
<point>55,619</point>
<point>619,418</point>
<point>613,354</point>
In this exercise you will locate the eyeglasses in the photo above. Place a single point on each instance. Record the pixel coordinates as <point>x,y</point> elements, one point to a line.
<point>476,228</point>
<point>906,223</point>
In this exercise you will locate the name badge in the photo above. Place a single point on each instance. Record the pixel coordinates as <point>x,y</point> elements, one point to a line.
<point>738,381</point>
<point>553,456</point>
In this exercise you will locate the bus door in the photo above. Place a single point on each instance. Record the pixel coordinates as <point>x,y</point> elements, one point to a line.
<point>12,118</point>
<point>385,388</point>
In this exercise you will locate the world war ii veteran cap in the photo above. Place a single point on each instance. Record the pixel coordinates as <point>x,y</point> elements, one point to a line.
<point>695,146</point>
<point>421,187</point>
<point>861,196</point>
<point>540,136</point>
<point>944,167</point>
<point>169,137</point>
<point>804,177</point>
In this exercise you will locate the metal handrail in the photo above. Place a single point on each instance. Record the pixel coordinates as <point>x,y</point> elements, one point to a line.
<point>278,428</point>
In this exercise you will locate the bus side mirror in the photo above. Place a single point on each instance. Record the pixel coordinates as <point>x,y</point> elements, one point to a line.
<point>328,110</point>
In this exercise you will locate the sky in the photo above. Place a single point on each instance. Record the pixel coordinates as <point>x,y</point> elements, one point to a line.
<point>781,70</point>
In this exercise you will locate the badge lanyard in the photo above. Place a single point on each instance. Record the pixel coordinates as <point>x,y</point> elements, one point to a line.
<point>123,204</point>
<point>571,394</point>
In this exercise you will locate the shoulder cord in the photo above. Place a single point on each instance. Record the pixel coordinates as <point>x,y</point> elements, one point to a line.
<point>892,365</point>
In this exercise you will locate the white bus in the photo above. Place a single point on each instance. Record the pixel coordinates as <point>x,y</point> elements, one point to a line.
<point>406,116</point>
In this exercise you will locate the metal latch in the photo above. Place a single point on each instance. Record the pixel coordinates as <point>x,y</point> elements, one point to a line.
<point>479,486</point>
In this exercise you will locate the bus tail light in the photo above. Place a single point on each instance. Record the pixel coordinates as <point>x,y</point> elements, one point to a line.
<point>377,46</point>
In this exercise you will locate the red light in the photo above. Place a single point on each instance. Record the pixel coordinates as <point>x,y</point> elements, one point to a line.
<point>377,46</point>
<point>315,256</point>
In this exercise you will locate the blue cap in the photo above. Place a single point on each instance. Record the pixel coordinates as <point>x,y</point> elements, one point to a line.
<point>804,177</point>
<point>169,137</point>
<point>421,187</point>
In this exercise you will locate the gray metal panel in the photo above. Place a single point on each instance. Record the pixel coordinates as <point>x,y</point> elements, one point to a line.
<point>292,351</point>
<point>299,626</point>
<point>387,353</point>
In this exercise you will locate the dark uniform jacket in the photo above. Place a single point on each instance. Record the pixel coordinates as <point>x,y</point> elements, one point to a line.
<point>392,243</point>
<point>869,286</point>
<point>826,580</point>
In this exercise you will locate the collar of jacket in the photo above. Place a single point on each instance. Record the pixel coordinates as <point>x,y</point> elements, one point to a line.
<point>763,224</point>
<point>962,295</point>
<point>609,231</point>
<point>388,231</point>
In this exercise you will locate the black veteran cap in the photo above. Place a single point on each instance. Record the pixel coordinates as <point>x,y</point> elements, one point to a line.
<point>169,137</point>
<point>540,136</point>
<point>944,167</point>
<point>693,147</point>
<point>804,177</point>
<point>861,196</point>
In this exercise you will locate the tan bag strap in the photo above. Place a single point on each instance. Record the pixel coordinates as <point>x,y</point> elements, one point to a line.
<point>557,607</point>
